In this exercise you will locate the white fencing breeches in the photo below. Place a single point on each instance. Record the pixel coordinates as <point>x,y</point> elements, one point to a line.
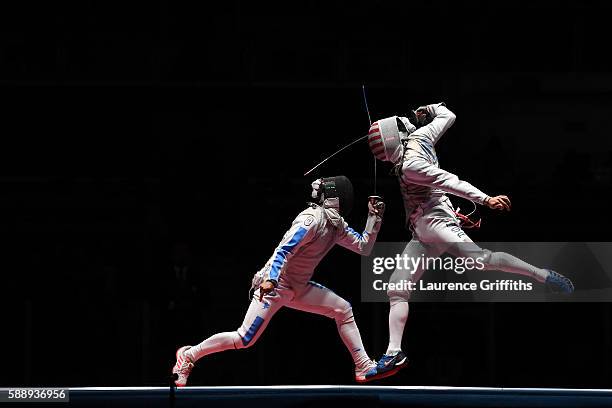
<point>314,298</point>
<point>436,232</point>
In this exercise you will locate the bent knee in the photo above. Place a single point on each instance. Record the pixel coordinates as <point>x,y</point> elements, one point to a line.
<point>243,341</point>
<point>488,258</point>
<point>398,296</point>
<point>343,313</point>
<point>245,338</point>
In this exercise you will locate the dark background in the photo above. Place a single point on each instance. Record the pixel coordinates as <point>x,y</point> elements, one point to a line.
<point>152,155</point>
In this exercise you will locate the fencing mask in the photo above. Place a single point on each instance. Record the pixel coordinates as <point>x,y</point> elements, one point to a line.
<point>385,138</point>
<point>334,192</point>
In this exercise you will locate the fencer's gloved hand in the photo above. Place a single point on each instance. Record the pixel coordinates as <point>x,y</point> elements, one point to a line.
<point>265,288</point>
<point>426,113</point>
<point>500,202</point>
<point>376,206</point>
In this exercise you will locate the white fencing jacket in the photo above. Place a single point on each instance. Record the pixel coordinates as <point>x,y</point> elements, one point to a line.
<point>422,182</point>
<point>312,234</point>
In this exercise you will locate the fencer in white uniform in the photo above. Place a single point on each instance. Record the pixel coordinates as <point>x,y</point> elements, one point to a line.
<point>285,280</point>
<point>409,144</point>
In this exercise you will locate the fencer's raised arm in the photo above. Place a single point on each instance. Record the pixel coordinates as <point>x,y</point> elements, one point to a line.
<point>301,232</point>
<point>360,243</point>
<point>443,119</point>
<point>421,172</point>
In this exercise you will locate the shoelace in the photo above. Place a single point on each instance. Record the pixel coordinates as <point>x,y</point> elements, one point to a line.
<point>185,366</point>
<point>564,282</point>
<point>384,359</point>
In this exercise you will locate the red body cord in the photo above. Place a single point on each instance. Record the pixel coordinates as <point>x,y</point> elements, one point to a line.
<point>466,222</point>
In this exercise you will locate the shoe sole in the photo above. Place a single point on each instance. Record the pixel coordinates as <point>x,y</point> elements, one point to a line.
<point>389,373</point>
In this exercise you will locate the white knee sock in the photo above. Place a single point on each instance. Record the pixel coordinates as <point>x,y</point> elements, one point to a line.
<point>398,315</point>
<point>349,332</point>
<point>502,261</point>
<point>214,344</point>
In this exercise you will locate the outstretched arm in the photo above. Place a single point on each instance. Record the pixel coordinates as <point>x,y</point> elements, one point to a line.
<point>364,242</point>
<point>421,172</point>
